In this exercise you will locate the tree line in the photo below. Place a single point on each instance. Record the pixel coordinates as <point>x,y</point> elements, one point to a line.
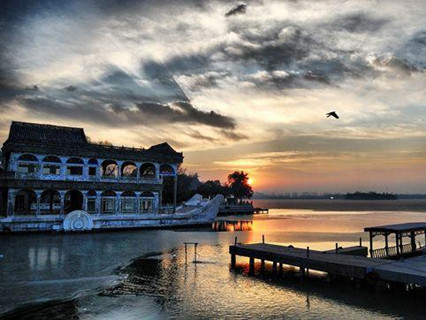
<point>236,185</point>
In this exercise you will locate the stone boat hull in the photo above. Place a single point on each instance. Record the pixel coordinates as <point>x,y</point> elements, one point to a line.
<point>196,214</point>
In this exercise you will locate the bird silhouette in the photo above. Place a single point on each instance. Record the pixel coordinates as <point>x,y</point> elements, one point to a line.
<point>332,114</point>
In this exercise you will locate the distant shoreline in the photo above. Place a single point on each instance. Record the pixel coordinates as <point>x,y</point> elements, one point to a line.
<point>402,205</point>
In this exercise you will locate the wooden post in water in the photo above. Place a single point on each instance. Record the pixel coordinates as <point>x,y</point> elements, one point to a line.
<point>337,247</point>
<point>233,261</point>
<point>371,244</point>
<point>263,238</point>
<point>195,252</point>
<point>251,266</point>
<point>307,264</point>
<point>236,239</point>
<point>186,252</point>
<point>386,245</point>
<point>360,241</point>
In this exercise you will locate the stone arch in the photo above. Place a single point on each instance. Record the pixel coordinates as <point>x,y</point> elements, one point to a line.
<point>27,164</point>
<point>146,202</point>
<point>128,202</point>
<point>108,201</point>
<point>93,161</point>
<point>51,159</point>
<point>25,202</point>
<point>75,160</point>
<point>51,165</point>
<point>50,202</point>
<point>129,169</point>
<point>109,168</point>
<point>148,170</point>
<point>28,157</point>
<point>73,201</point>
<point>166,169</point>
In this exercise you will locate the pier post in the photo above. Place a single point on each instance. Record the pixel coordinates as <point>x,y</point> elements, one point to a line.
<point>263,238</point>
<point>262,266</point>
<point>251,266</point>
<point>274,266</point>
<point>337,247</point>
<point>371,244</point>
<point>281,269</point>
<point>233,261</point>
<point>360,241</point>
<point>386,245</point>
<point>307,262</point>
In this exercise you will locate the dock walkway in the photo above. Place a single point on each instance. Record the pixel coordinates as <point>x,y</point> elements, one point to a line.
<point>408,271</point>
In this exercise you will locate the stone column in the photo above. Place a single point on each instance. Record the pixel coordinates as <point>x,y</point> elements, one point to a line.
<point>157,171</point>
<point>98,202</point>
<point>118,202</point>
<point>174,192</point>
<point>63,168</point>
<point>38,194</point>
<point>138,202</point>
<point>156,201</point>
<point>138,172</point>
<point>84,206</point>
<point>40,167</point>
<point>62,196</point>
<point>119,164</point>
<point>11,195</point>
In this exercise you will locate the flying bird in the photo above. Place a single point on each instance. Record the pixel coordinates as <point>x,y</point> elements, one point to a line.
<point>240,9</point>
<point>332,114</point>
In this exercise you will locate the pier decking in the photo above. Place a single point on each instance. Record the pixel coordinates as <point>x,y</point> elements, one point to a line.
<point>409,271</point>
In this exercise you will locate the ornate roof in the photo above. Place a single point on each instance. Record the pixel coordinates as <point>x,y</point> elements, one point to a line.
<point>24,132</point>
<point>59,140</point>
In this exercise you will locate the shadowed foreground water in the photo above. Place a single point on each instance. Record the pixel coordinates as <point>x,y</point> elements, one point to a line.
<point>144,274</point>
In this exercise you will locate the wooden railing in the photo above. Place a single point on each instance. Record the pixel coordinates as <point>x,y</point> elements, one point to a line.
<point>392,251</point>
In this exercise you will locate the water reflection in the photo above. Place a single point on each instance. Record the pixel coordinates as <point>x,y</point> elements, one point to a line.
<point>239,225</point>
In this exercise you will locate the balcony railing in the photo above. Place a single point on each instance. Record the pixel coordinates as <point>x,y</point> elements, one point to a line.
<point>392,251</point>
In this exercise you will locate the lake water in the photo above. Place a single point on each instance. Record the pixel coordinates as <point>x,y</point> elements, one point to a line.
<point>145,274</point>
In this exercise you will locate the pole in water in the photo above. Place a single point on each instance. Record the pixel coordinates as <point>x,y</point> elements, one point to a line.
<point>337,247</point>
<point>307,263</point>
<point>360,241</point>
<point>236,239</point>
<point>263,238</point>
<point>186,252</point>
<point>195,252</point>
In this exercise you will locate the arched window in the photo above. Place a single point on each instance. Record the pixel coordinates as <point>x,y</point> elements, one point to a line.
<point>148,170</point>
<point>108,199</point>
<point>75,167</point>
<point>51,165</point>
<point>27,164</point>
<point>109,169</point>
<point>91,201</point>
<point>50,202</point>
<point>73,201</point>
<point>93,161</point>
<point>128,202</point>
<point>147,202</point>
<point>166,169</point>
<point>93,167</point>
<point>25,202</point>
<point>28,157</point>
<point>129,170</point>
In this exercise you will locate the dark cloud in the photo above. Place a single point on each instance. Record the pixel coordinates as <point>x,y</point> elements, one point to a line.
<point>70,88</point>
<point>359,22</point>
<point>232,135</point>
<point>185,112</point>
<point>240,9</point>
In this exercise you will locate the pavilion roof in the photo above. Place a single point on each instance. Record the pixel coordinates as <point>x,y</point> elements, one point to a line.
<point>398,228</point>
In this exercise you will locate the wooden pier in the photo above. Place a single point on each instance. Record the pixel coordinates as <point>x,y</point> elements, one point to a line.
<point>408,271</point>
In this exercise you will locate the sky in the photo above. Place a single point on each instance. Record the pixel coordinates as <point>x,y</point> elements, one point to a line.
<point>233,85</point>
